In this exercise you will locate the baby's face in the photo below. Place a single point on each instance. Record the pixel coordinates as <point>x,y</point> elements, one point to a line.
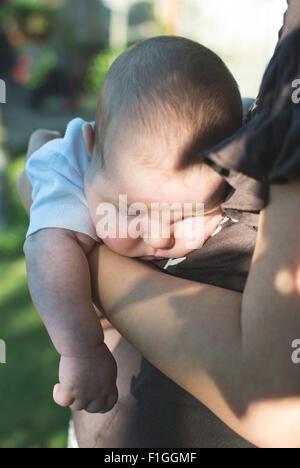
<point>148,212</point>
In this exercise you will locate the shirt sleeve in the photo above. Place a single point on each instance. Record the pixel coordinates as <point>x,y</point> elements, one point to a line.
<point>56,172</point>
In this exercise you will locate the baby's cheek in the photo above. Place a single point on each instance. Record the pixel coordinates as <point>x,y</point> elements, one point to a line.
<point>113,235</point>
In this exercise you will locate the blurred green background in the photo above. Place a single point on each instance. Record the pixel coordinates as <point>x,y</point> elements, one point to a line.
<point>54,56</point>
<point>28,417</point>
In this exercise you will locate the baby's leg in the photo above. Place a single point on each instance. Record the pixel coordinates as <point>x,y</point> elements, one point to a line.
<point>36,141</point>
<point>40,138</point>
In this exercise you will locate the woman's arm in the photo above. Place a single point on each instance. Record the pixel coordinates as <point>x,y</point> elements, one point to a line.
<point>230,351</point>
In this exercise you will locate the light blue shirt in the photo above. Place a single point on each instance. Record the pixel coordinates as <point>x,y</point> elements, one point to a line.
<point>56,172</point>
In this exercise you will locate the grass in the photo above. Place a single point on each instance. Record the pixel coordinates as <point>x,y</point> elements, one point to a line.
<point>29,417</point>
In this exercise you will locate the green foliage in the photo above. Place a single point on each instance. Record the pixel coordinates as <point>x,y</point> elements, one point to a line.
<point>98,69</point>
<point>42,68</point>
<point>29,417</point>
<point>12,239</point>
<point>30,4</point>
<point>23,7</point>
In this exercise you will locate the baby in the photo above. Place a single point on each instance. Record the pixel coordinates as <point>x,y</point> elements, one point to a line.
<point>163,103</point>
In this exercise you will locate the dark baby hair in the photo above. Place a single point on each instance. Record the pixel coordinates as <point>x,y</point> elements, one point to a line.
<point>167,81</point>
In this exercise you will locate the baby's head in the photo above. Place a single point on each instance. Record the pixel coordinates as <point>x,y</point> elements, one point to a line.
<point>163,103</point>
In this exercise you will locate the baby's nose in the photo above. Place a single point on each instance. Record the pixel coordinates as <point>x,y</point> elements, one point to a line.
<point>160,243</point>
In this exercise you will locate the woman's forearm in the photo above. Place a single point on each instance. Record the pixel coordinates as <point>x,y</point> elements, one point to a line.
<point>178,325</point>
<point>232,352</point>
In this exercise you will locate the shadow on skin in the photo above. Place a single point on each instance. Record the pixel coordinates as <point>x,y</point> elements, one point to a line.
<point>152,410</point>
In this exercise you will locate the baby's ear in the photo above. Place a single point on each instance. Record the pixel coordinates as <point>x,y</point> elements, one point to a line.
<point>89,139</point>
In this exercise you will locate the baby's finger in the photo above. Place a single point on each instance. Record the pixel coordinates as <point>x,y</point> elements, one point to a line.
<point>79,405</point>
<point>94,407</point>
<point>62,397</point>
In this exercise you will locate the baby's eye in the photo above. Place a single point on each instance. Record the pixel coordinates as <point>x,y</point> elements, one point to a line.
<point>179,219</point>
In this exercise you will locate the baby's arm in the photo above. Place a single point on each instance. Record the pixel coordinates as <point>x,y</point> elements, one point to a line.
<point>59,282</point>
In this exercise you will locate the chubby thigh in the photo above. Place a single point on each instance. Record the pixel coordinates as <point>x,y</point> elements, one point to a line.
<point>151,412</point>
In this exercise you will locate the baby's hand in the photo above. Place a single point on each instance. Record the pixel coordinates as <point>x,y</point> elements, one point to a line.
<point>88,383</point>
